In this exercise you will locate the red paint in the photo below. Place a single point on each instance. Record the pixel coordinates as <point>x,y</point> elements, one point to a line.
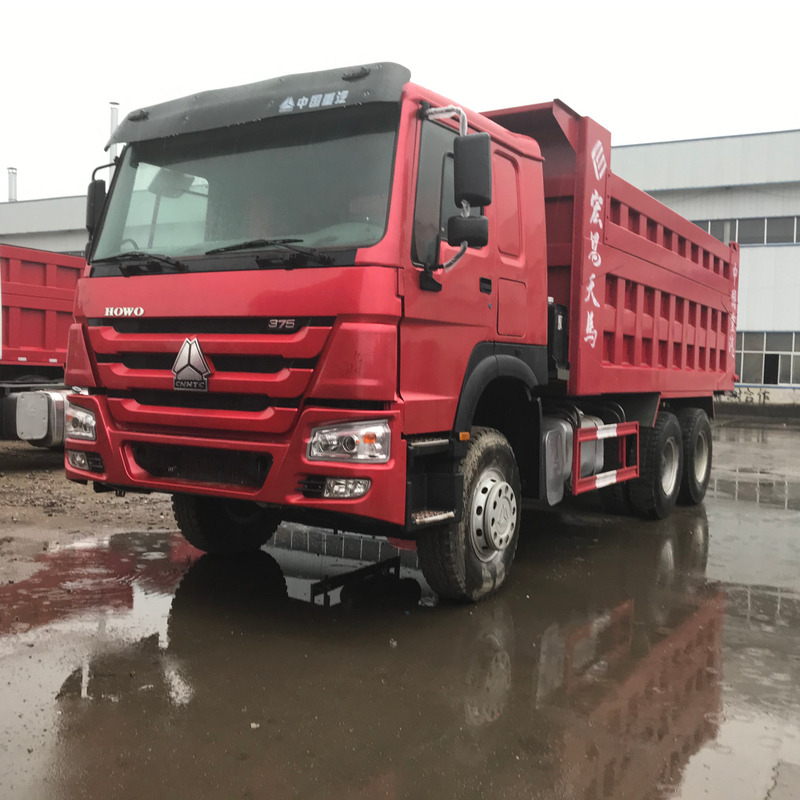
<point>79,370</point>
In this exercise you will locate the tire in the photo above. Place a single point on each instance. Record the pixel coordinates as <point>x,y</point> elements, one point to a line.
<point>655,492</point>
<point>697,455</point>
<point>460,560</point>
<point>616,499</point>
<point>221,526</point>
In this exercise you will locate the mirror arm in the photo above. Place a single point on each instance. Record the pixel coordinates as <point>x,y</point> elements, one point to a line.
<point>104,166</point>
<point>446,112</point>
<point>448,265</point>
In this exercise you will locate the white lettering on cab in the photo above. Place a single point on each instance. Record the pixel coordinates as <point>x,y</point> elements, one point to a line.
<point>124,311</point>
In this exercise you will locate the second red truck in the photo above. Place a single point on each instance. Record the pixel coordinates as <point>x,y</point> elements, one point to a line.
<point>338,298</point>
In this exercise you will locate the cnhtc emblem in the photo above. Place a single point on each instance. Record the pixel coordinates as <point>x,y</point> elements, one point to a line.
<point>191,369</point>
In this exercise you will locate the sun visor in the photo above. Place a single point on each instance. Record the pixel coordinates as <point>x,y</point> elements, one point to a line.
<point>291,94</point>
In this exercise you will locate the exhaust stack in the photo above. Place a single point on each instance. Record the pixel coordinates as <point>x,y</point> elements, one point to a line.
<point>114,109</point>
<point>12,185</point>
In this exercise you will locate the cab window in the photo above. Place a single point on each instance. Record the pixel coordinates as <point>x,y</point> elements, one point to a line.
<point>435,202</point>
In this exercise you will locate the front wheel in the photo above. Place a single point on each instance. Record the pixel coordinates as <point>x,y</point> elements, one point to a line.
<point>469,560</point>
<point>221,526</point>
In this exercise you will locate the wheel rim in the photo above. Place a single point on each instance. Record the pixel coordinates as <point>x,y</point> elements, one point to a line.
<point>494,516</point>
<point>669,466</point>
<point>701,451</point>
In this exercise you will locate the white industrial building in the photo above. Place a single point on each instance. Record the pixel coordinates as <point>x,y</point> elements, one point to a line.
<point>56,223</point>
<point>742,188</point>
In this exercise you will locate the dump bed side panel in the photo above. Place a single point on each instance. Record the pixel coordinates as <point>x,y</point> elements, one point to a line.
<point>37,291</point>
<point>653,297</point>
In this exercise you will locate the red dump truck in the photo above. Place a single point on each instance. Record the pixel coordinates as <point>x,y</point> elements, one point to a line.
<point>338,298</point>
<point>37,292</point>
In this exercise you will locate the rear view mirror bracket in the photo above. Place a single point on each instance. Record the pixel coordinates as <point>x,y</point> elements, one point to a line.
<point>472,183</point>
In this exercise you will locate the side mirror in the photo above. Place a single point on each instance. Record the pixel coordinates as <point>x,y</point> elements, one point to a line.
<point>95,200</point>
<point>472,170</point>
<point>472,230</point>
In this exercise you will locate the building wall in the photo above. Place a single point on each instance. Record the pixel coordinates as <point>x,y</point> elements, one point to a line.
<point>72,242</point>
<point>55,223</point>
<point>758,200</point>
<point>762,158</point>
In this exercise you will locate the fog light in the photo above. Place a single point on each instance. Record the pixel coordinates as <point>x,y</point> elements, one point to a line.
<point>77,460</point>
<point>346,488</point>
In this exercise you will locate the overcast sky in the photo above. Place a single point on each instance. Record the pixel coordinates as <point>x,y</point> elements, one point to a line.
<point>648,71</point>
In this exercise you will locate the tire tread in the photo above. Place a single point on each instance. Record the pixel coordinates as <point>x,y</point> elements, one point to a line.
<point>438,547</point>
<point>644,489</point>
<point>688,417</point>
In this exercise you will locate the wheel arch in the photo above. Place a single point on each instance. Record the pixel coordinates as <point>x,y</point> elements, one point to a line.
<point>499,392</point>
<point>524,365</point>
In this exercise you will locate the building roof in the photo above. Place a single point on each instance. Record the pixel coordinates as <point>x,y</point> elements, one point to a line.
<point>746,160</point>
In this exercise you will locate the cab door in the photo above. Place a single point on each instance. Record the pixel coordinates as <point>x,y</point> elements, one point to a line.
<point>441,328</point>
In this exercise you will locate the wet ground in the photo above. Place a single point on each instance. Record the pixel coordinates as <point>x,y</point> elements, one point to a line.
<point>623,659</point>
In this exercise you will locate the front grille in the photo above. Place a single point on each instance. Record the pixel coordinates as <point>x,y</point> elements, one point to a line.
<point>192,326</point>
<point>221,363</point>
<point>202,400</point>
<point>264,377</point>
<point>203,464</point>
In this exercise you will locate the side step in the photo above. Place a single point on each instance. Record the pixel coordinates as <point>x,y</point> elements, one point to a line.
<point>428,517</point>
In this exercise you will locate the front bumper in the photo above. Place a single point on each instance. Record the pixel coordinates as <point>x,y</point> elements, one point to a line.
<point>385,500</point>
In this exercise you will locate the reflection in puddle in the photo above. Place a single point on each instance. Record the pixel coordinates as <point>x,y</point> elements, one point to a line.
<point>316,667</point>
<point>749,485</point>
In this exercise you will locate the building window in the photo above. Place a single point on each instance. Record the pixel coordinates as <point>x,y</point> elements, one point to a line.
<point>779,343</point>
<point>751,231</point>
<point>768,358</point>
<point>780,230</point>
<point>723,229</point>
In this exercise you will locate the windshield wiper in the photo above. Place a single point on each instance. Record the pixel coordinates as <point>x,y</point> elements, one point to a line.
<point>288,244</point>
<point>134,260</point>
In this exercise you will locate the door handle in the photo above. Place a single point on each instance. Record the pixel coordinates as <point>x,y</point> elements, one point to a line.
<point>486,285</point>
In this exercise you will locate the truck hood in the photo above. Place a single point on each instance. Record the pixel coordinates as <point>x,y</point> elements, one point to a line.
<point>306,292</point>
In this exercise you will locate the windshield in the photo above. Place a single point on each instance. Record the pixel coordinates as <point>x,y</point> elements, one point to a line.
<point>322,180</point>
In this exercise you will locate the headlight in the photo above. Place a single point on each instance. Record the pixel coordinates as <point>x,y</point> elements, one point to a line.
<point>358,441</point>
<point>80,423</point>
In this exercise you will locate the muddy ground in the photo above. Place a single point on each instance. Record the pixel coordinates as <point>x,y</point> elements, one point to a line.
<point>40,508</point>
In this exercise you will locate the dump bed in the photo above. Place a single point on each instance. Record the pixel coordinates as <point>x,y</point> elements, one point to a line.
<point>37,292</point>
<point>651,298</point>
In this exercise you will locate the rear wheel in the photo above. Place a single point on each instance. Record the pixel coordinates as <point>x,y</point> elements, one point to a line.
<point>655,492</point>
<point>219,525</point>
<point>469,560</point>
<point>697,452</point>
